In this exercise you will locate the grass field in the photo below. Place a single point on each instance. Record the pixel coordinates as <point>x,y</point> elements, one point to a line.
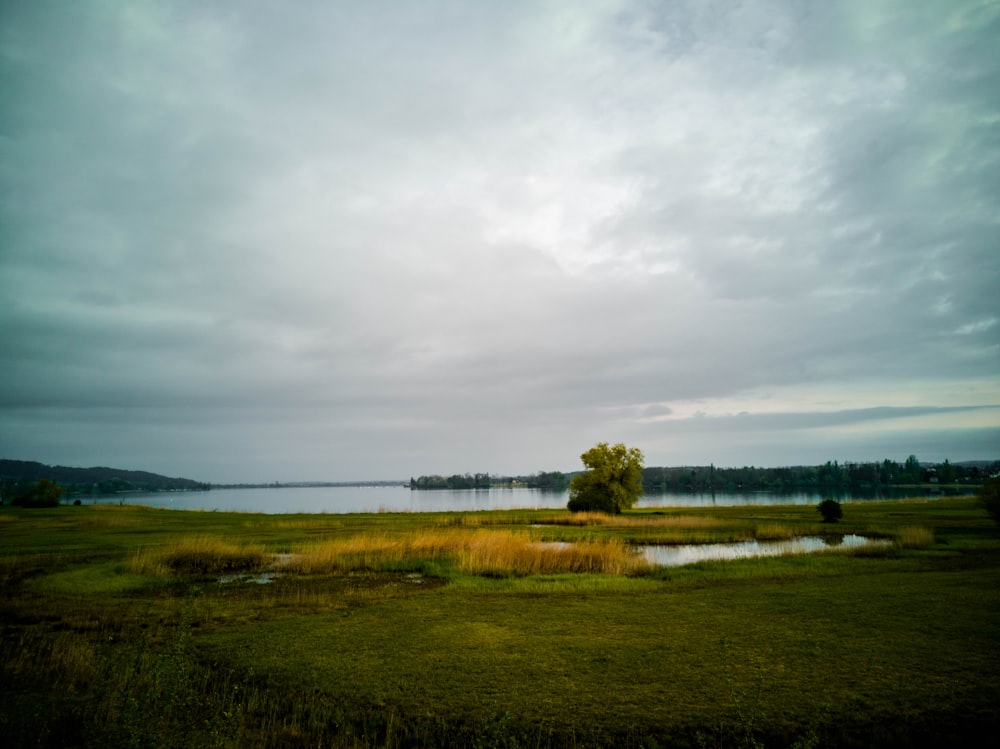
<point>495,629</point>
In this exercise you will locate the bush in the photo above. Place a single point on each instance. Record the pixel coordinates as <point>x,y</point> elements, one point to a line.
<point>830,510</point>
<point>989,496</point>
<point>44,493</point>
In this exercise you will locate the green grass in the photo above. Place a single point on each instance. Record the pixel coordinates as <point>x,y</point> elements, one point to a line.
<point>115,631</point>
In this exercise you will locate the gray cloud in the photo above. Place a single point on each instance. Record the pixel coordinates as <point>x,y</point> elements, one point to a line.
<point>246,242</point>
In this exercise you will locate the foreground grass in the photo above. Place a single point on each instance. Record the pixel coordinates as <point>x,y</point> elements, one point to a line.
<point>477,629</point>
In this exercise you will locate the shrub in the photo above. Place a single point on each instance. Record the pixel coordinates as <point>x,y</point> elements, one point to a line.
<point>830,510</point>
<point>989,495</point>
<point>44,493</point>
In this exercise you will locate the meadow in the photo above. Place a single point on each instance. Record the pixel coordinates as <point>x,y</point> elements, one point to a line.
<point>135,627</point>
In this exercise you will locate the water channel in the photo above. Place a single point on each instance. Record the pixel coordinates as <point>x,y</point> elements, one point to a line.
<point>677,556</point>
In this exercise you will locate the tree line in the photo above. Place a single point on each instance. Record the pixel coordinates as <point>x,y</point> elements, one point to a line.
<point>615,478</point>
<point>553,480</point>
<point>829,475</point>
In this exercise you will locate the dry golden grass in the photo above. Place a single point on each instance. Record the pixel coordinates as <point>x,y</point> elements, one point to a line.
<point>479,552</point>
<point>914,537</point>
<point>197,555</point>
<point>278,523</point>
<point>774,532</point>
<point>509,553</point>
<point>583,519</point>
<point>365,551</point>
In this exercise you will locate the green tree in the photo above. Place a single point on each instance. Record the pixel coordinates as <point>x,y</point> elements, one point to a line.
<point>911,470</point>
<point>946,472</point>
<point>613,483</point>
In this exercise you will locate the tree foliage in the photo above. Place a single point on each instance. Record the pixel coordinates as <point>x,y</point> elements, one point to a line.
<point>830,510</point>
<point>612,483</point>
<point>43,493</point>
<point>456,481</point>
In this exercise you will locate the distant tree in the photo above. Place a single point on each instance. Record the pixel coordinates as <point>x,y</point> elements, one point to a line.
<point>44,493</point>
<point>946,472</point>
<point>911,470</point>
<point>830,510</point>
<point>613,483</point>
<point>549,480</point>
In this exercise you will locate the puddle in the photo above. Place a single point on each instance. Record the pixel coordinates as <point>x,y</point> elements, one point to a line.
<point>260,578</point>
<point>558,545</point>
<point>676,556</point>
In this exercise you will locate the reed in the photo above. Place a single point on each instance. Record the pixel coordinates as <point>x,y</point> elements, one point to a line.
<point>473,551</point>
<point>600,519</point>
<point>774,532</point>
<point>361,552</point>
<point>501,554</point>
<point>200,555</point>
<point>914,537</point>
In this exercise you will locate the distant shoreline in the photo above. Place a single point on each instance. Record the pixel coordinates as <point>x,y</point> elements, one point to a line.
<point>311,484</point>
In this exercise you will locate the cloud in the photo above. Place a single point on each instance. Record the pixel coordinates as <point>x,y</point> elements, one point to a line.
<point>487,233</point>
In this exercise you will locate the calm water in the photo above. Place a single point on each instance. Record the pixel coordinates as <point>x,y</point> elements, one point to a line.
<point>345,499</point>
<point>676,556</point>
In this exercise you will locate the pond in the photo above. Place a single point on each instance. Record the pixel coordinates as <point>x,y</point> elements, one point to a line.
<point>677,556</point>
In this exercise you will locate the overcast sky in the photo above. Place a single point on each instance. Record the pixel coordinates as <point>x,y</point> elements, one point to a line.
<point>254,241</point>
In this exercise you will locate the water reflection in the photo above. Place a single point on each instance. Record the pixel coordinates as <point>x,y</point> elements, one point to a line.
<point>348,499</point>
<point>676,556</point>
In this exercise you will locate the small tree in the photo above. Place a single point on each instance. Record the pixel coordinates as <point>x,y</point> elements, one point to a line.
<point>613,483</point>
<point>830,510</point>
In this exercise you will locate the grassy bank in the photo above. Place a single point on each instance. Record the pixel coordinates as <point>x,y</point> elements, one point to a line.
<point>520,628</point>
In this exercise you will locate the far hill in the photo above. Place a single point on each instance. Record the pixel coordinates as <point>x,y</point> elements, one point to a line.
<point>99,480</point>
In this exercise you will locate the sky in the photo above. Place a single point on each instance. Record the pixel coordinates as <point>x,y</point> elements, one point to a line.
<point>276,241</point>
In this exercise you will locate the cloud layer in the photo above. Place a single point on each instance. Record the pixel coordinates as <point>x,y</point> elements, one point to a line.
<point>339,240</point>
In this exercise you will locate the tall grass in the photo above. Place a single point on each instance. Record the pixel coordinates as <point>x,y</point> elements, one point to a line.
<point>497,554</point>
<point>199,555</point>
<point>65,658</point>
<point>775,532</point>
<point>914,537</point>
<point>584,519</point>
<point>477,552</point>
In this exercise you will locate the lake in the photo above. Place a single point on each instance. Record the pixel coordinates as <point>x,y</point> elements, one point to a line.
<point>348,499</point>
